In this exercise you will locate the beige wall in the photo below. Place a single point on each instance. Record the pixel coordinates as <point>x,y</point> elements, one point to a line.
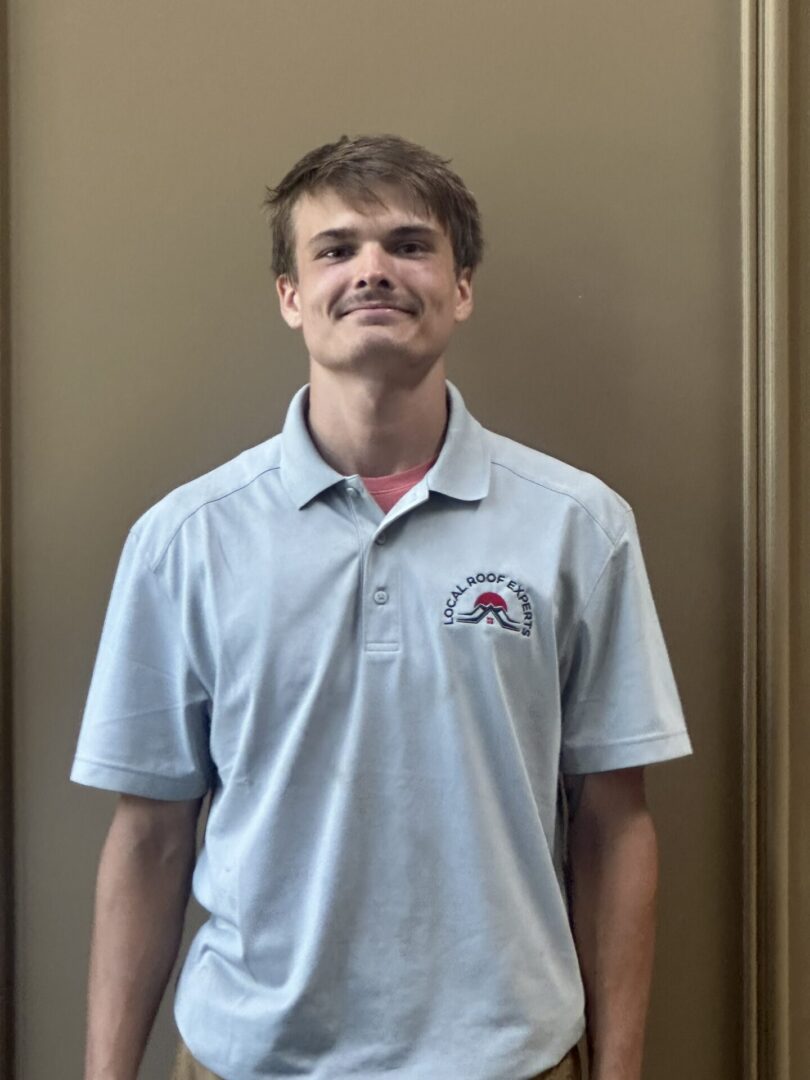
<point>603,146</point>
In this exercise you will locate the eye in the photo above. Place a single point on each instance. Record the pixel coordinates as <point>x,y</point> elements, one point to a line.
<point>414,244</point>
<point>336,252</point>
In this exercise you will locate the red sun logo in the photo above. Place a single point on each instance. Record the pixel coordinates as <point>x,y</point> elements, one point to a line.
<point>491,599</point>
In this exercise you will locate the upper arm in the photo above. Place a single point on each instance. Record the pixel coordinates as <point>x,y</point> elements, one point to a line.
<point>601,799</point>
<point>164,826</point>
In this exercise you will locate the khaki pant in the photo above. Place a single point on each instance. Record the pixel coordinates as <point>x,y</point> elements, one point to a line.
<point>186,1068</point>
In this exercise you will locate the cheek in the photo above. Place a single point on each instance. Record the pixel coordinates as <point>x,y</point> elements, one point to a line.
<point>443,308</point>
<point>317,309</point>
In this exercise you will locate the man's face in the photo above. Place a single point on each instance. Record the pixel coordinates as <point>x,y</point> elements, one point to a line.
<point>377,290</point>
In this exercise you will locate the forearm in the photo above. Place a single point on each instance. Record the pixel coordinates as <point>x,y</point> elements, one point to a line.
<point>141,896</point>
<point>614,874</point>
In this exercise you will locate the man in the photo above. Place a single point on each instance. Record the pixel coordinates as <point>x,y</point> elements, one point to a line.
<point>418,669</point>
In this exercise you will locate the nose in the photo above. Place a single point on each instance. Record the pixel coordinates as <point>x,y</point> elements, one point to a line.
<point>373,268</point>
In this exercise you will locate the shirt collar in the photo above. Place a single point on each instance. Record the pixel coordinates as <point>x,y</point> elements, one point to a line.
<point>463,467</point>
<point>461,470</point>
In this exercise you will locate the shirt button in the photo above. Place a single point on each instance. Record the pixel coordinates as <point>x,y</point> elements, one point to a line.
<point>352,491</point>
<point>380,596</point>
<point>380,539</point>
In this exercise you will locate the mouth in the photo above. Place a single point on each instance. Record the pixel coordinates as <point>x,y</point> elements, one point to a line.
<point>377,307</point>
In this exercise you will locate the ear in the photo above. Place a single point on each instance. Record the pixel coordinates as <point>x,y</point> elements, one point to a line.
<point>464,295</point>
<point>288,301</point>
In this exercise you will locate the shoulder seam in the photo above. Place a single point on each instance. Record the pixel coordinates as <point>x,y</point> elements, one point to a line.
<point>558,491</point>
<point>208,502</point>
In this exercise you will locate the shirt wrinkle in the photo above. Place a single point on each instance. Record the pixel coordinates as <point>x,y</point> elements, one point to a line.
<point>575,623</point>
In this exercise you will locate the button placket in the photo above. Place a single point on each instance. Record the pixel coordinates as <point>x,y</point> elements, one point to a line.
<point>381,601</point>
<point>379,593</point>
<point>352,498</point>
<point>361,509</point>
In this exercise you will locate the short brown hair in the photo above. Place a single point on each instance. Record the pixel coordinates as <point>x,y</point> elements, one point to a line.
<point>352,167</point>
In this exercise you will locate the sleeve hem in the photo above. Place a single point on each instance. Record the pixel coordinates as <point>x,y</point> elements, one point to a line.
<point>624,755</point>
<point>131,782</point>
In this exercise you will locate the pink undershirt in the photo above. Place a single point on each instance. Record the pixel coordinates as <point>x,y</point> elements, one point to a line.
<point>388,490</point>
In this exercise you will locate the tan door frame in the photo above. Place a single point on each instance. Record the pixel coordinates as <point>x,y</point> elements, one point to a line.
<point>769,139</point>
<point>765,147</point>
<point>6,791</point>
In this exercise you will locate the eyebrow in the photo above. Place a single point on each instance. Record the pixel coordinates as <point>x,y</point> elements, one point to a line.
<point>398,233</point>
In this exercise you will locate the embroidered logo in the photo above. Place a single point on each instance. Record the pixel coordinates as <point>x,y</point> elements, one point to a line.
<point>490,606</point>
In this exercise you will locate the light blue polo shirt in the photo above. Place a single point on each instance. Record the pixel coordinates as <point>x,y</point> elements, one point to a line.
<point>381,706</point>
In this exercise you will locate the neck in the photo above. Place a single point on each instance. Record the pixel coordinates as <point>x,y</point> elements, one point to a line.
<point>374,428</point>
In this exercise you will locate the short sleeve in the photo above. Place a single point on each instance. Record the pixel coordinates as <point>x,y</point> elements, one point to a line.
<point>620,704</point>
<point>146,720</point>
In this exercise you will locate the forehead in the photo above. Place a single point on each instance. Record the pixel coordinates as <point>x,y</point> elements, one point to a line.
<point>329,209</point>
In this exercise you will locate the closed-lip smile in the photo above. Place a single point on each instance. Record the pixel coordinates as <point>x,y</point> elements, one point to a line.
<point>375,306</point>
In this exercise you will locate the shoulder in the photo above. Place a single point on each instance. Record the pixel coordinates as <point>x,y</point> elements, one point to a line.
<point>228,483</point>
<point>541,479</point>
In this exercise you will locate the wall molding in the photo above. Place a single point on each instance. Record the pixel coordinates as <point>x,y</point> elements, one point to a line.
<point>766,540</point>
<point>6,769</point>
